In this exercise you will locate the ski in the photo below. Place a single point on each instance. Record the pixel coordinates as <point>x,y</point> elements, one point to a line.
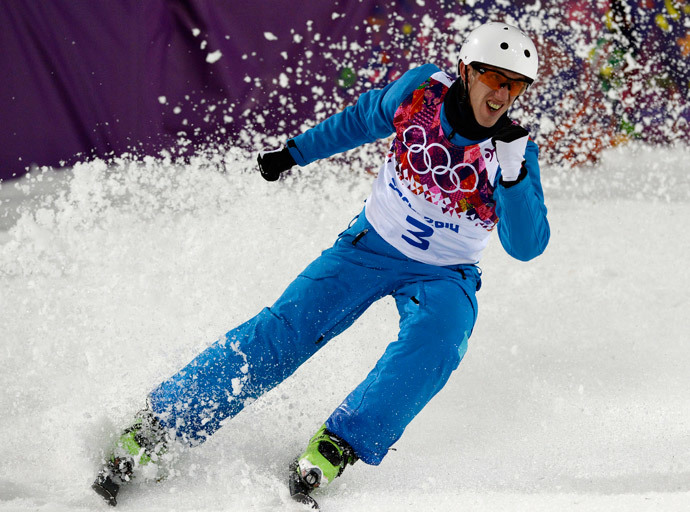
<point>106,488</point>
<point>299,491</point>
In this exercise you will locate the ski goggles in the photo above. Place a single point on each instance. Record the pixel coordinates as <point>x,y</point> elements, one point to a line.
<point>495,79</point>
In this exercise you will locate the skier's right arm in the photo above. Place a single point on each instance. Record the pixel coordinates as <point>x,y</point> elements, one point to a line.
<point>369,119</point>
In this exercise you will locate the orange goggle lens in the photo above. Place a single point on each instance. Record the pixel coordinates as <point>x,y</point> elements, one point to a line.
<point>496,80</point>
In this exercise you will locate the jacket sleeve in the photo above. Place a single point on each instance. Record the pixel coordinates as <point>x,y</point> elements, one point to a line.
<point>369,119</point>
<point>523,227</point>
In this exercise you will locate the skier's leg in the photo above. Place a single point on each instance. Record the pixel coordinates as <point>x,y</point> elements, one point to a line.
<point>437,318</point>
<point>326,298</point>
<point>256,356</point>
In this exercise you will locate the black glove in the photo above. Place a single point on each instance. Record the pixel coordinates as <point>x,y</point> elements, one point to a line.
<point>273,162</point>
<point>510,142</point>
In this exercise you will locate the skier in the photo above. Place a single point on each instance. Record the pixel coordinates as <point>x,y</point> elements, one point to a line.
<point>457,164</point>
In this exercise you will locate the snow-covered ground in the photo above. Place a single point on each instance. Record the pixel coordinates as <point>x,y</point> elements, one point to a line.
<point>574,395</point>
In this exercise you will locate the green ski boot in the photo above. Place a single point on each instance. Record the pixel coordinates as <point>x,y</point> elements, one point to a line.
<point>139,446</point>
<point>324,459</point>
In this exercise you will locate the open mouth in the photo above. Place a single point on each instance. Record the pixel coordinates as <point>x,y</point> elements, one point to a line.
<point>493,107</point>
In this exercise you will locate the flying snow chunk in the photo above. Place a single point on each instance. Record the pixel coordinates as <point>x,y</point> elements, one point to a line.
<point>196,32</point>
<point>270,36</point>
<point>162,100</point>
<point>236,386</point>
<point>214,57</point>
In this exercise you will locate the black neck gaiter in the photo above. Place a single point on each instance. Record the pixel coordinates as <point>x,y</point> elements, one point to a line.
<point>461,118</point>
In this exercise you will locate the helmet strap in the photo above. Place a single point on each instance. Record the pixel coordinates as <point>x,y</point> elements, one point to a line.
<point>465,91</point>
<point>467,82</point>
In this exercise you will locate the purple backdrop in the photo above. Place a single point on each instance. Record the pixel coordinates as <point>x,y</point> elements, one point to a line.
<point>88,78</point>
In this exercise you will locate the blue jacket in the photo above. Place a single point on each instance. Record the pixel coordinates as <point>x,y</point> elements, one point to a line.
<point>523,228</point>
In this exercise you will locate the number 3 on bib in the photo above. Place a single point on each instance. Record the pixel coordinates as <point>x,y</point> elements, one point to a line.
<point>420,237</point>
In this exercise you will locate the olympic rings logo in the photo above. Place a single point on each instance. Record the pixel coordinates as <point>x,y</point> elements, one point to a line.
<point>437,160</point>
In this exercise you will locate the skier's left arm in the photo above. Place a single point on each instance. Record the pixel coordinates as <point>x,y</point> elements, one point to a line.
<point>523,227</point>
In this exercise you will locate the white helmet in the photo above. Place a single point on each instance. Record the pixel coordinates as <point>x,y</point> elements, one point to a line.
<point>501,45</point>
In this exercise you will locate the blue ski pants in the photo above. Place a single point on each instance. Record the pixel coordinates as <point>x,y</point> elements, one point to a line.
<point>437,308</point>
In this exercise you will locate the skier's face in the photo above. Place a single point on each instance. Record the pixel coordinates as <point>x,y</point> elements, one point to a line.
<point>489,103</point>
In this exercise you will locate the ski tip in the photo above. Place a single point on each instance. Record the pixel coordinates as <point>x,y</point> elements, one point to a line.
<point>306,500</point>
<point>299,491</point>
<point>106,489</point>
